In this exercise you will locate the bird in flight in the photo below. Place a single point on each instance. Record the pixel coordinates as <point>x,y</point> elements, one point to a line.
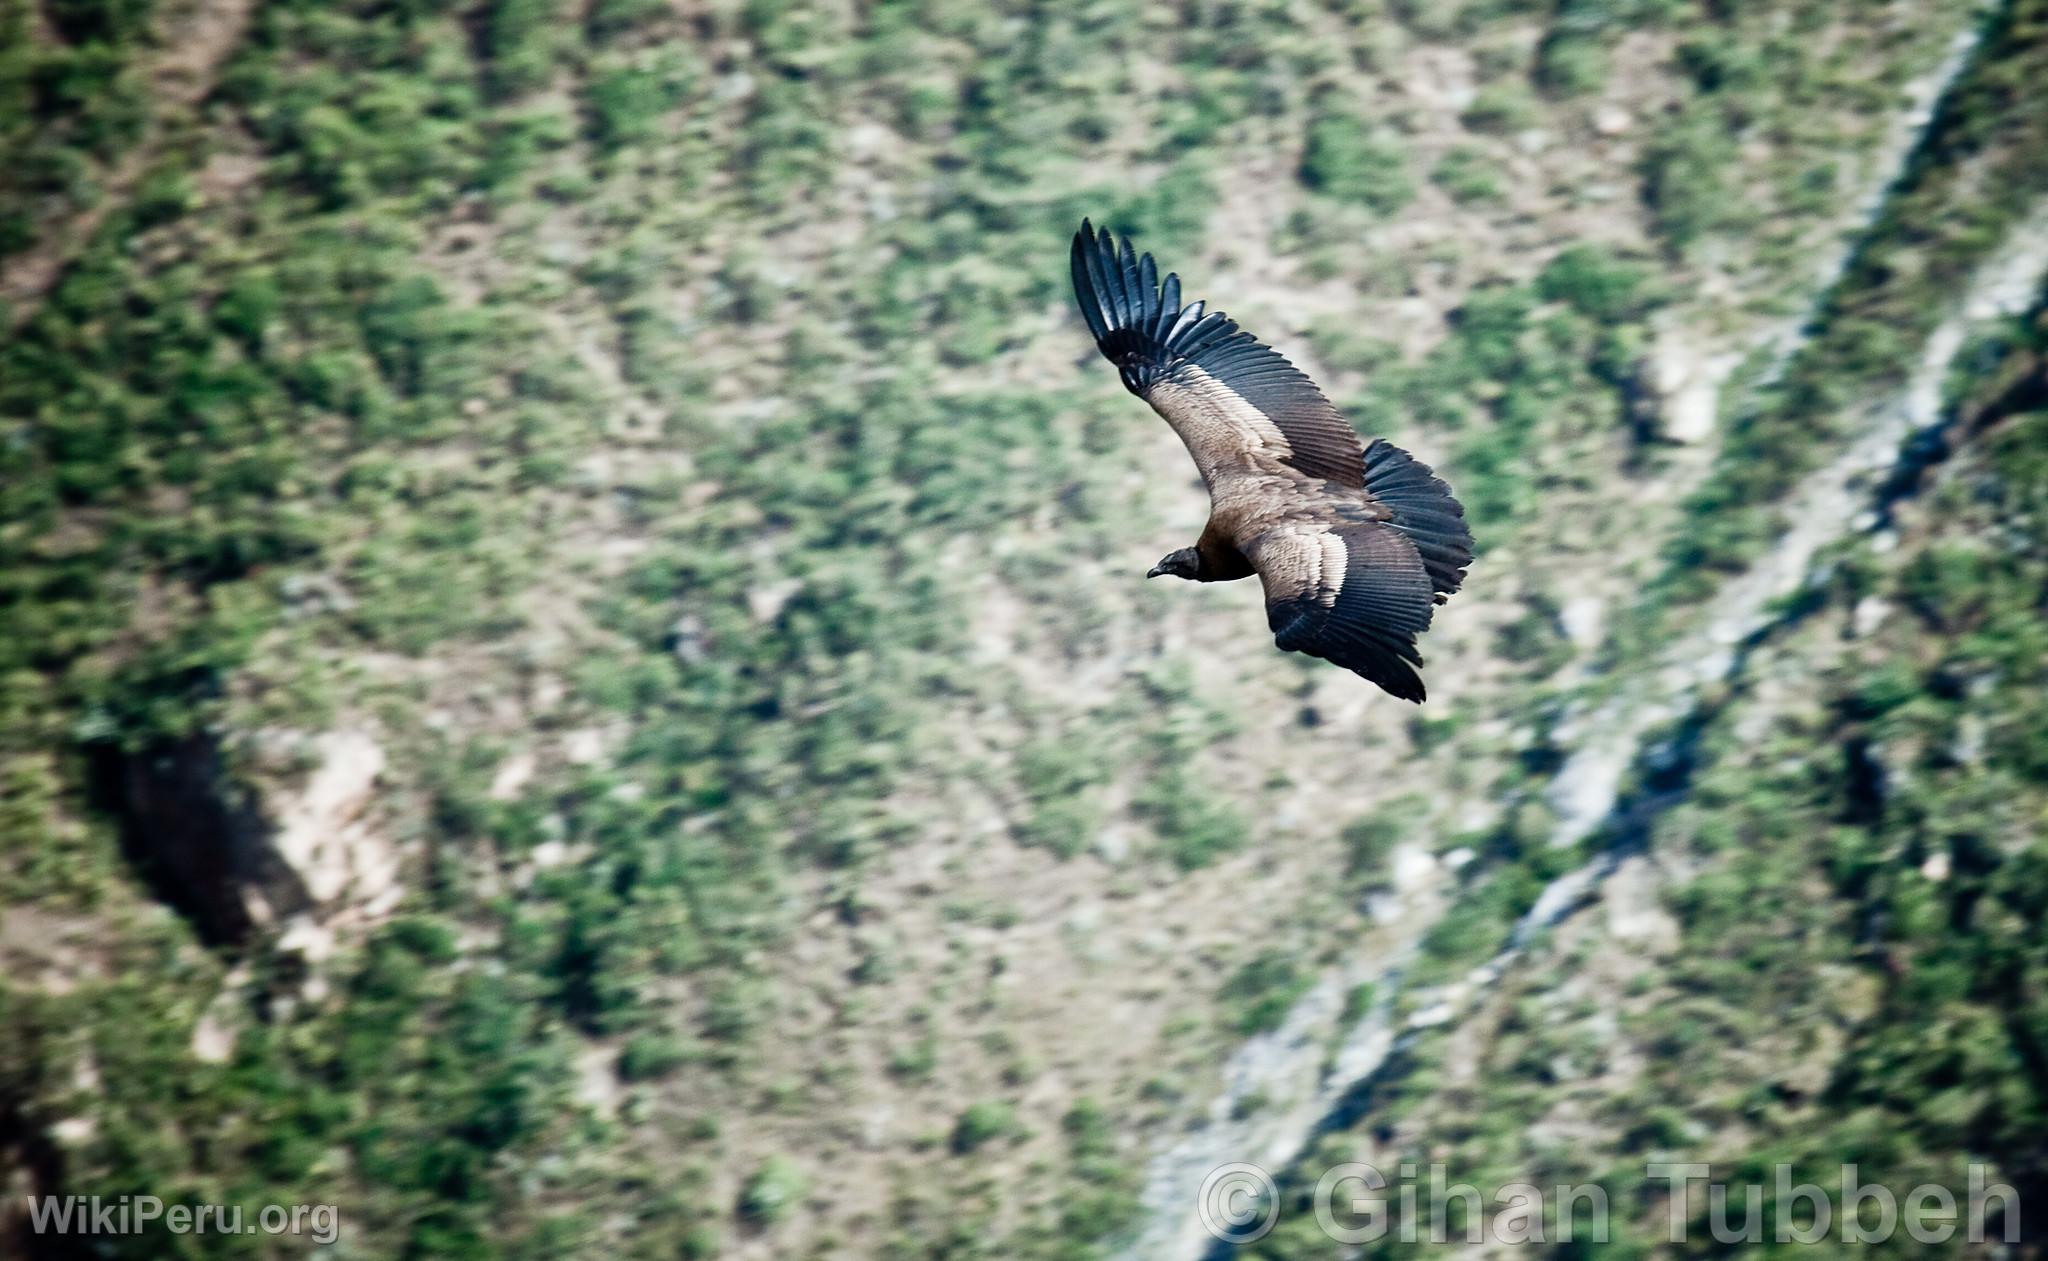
<point>1356,543</point>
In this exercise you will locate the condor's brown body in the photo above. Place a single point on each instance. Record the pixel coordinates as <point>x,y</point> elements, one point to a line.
<point>1355,543</point>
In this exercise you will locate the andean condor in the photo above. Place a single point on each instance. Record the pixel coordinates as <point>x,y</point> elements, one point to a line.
<point>1356,543</point>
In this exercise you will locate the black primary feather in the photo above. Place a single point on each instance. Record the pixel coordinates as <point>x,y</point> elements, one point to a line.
<point>1141,327</point>
<point>1424,510</point>
<point>1370,628</point>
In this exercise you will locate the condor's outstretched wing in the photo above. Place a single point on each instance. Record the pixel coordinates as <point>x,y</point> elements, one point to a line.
<point>1355,595</point>
<point>1221,389</point>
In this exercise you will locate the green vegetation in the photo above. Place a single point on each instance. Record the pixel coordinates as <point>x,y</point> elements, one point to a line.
<point>1369,842</point>
<point>772,1192</point>
<point>1468,176</point>
<point>1346,161</point>
<point>984,1123</point>
<point>69,107</point>
<point>665,437</point>
<point>1256,997</point>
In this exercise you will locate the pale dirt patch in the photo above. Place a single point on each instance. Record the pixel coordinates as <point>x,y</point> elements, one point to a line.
<point>321,830</point>
<point>53,951</point>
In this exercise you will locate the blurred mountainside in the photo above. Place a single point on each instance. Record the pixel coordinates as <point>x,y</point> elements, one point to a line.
<point>577,678</point>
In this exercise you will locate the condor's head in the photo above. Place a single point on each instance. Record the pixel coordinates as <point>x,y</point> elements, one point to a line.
<point>1185,563</point>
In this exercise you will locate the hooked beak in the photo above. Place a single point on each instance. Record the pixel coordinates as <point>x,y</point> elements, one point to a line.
<point>1155,571</point>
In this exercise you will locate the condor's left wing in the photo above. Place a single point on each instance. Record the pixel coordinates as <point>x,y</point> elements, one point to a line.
<point>1221,389</point>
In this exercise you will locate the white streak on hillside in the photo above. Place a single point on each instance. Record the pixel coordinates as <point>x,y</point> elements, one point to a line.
<point>1605,742</point>
<point>1902,137</point>
<point>1276,1088</point>
<point>1827,505</point>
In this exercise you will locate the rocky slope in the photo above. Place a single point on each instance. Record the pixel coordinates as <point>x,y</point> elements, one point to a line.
<point>576,673</point>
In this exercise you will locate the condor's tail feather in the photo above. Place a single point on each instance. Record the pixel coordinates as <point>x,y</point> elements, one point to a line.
<point>1424,510</point>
